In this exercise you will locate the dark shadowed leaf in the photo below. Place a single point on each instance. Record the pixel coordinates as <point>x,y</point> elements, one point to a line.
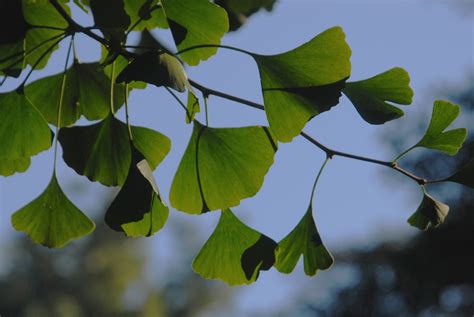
<point>195,22</point>
<point>51,219</point>
<point>302,83</point>
<point>101,151</point>
<point>13,26</point>
<point>304,240</point>
<point>157,69</point>
<point>23,132</point>
<point>234,253</point>
<point>436,138</point>
<point>221,166</point>
<point>111,18</point>
<point>465,175</point>
<point>239,10</point>
<point>430,213</point>
<point>87,92</point>
<point>138,209</point>
<point>372,97</point>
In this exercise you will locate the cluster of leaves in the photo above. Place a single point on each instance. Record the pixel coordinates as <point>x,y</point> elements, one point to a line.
<point>221,166</point>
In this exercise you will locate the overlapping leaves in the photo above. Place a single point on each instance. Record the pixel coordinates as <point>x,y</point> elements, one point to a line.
<point>302,83</point>
<point>220,167</point>
<point>86,92</point>
<point>234,253</point>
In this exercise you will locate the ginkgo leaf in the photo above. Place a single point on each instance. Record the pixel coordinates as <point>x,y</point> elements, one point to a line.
<point>111,18</point>
<point>465,175</point>
<point>226,255</point>
<point>193,23</point>
<point>23,131</point>
<point>86,92</point>
<point>430,213</point>
<point>44,14</point>
<point>138,209</point>
<point>102,153</point>
<point>193,107</point>
<point>52,219</point>
<point>159,69</point>
<point>302,83</point>
<point>152,144</point>
<point>11,166</point>
<point>436,138</point>
<point>11,59</point>
<point>221,166</point>
<point>304,240</point>
<point>372,97</point>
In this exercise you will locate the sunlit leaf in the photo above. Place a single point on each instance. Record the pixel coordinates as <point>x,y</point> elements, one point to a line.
<point>430,213</point>
<point>23,130</point>
<point>111,18</point>
<point>373,97</point>
<point>304,240</point>
<point>138,209</point>
<point>234,253</point>
<point>465,175</point>
<point>436,138</point>
<point>51,219</point>
<point>11,166</point>
<point>195,22</point>
<point>87,92</point>
<point>221,166</point>
<point>159,69</point>
<point>302,83</point>
<point>193,107</point>
<point>102,151</point>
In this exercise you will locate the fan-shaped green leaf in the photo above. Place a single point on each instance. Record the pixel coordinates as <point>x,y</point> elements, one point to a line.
<point>371,96</point>
<point>302,83</point>
<point>465,175</point>
<point>11,166</point>
<point>436,138</point>
<point>226,254</point>
<point>87,92</point>
<point>220,167</point>
<point>159,69</point>
<point>51,219</point>
<point>304,240</point>
<point>430,213</point>
<point>11,59</point>
<point>23,130</point>
<point>138,209</point>
<point>193,23</point>
<point>111,18</point>
<point>102,151</point>
<point>192,106</point>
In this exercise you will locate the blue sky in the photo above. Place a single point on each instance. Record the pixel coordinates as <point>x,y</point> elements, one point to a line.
<point>355,202</point>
